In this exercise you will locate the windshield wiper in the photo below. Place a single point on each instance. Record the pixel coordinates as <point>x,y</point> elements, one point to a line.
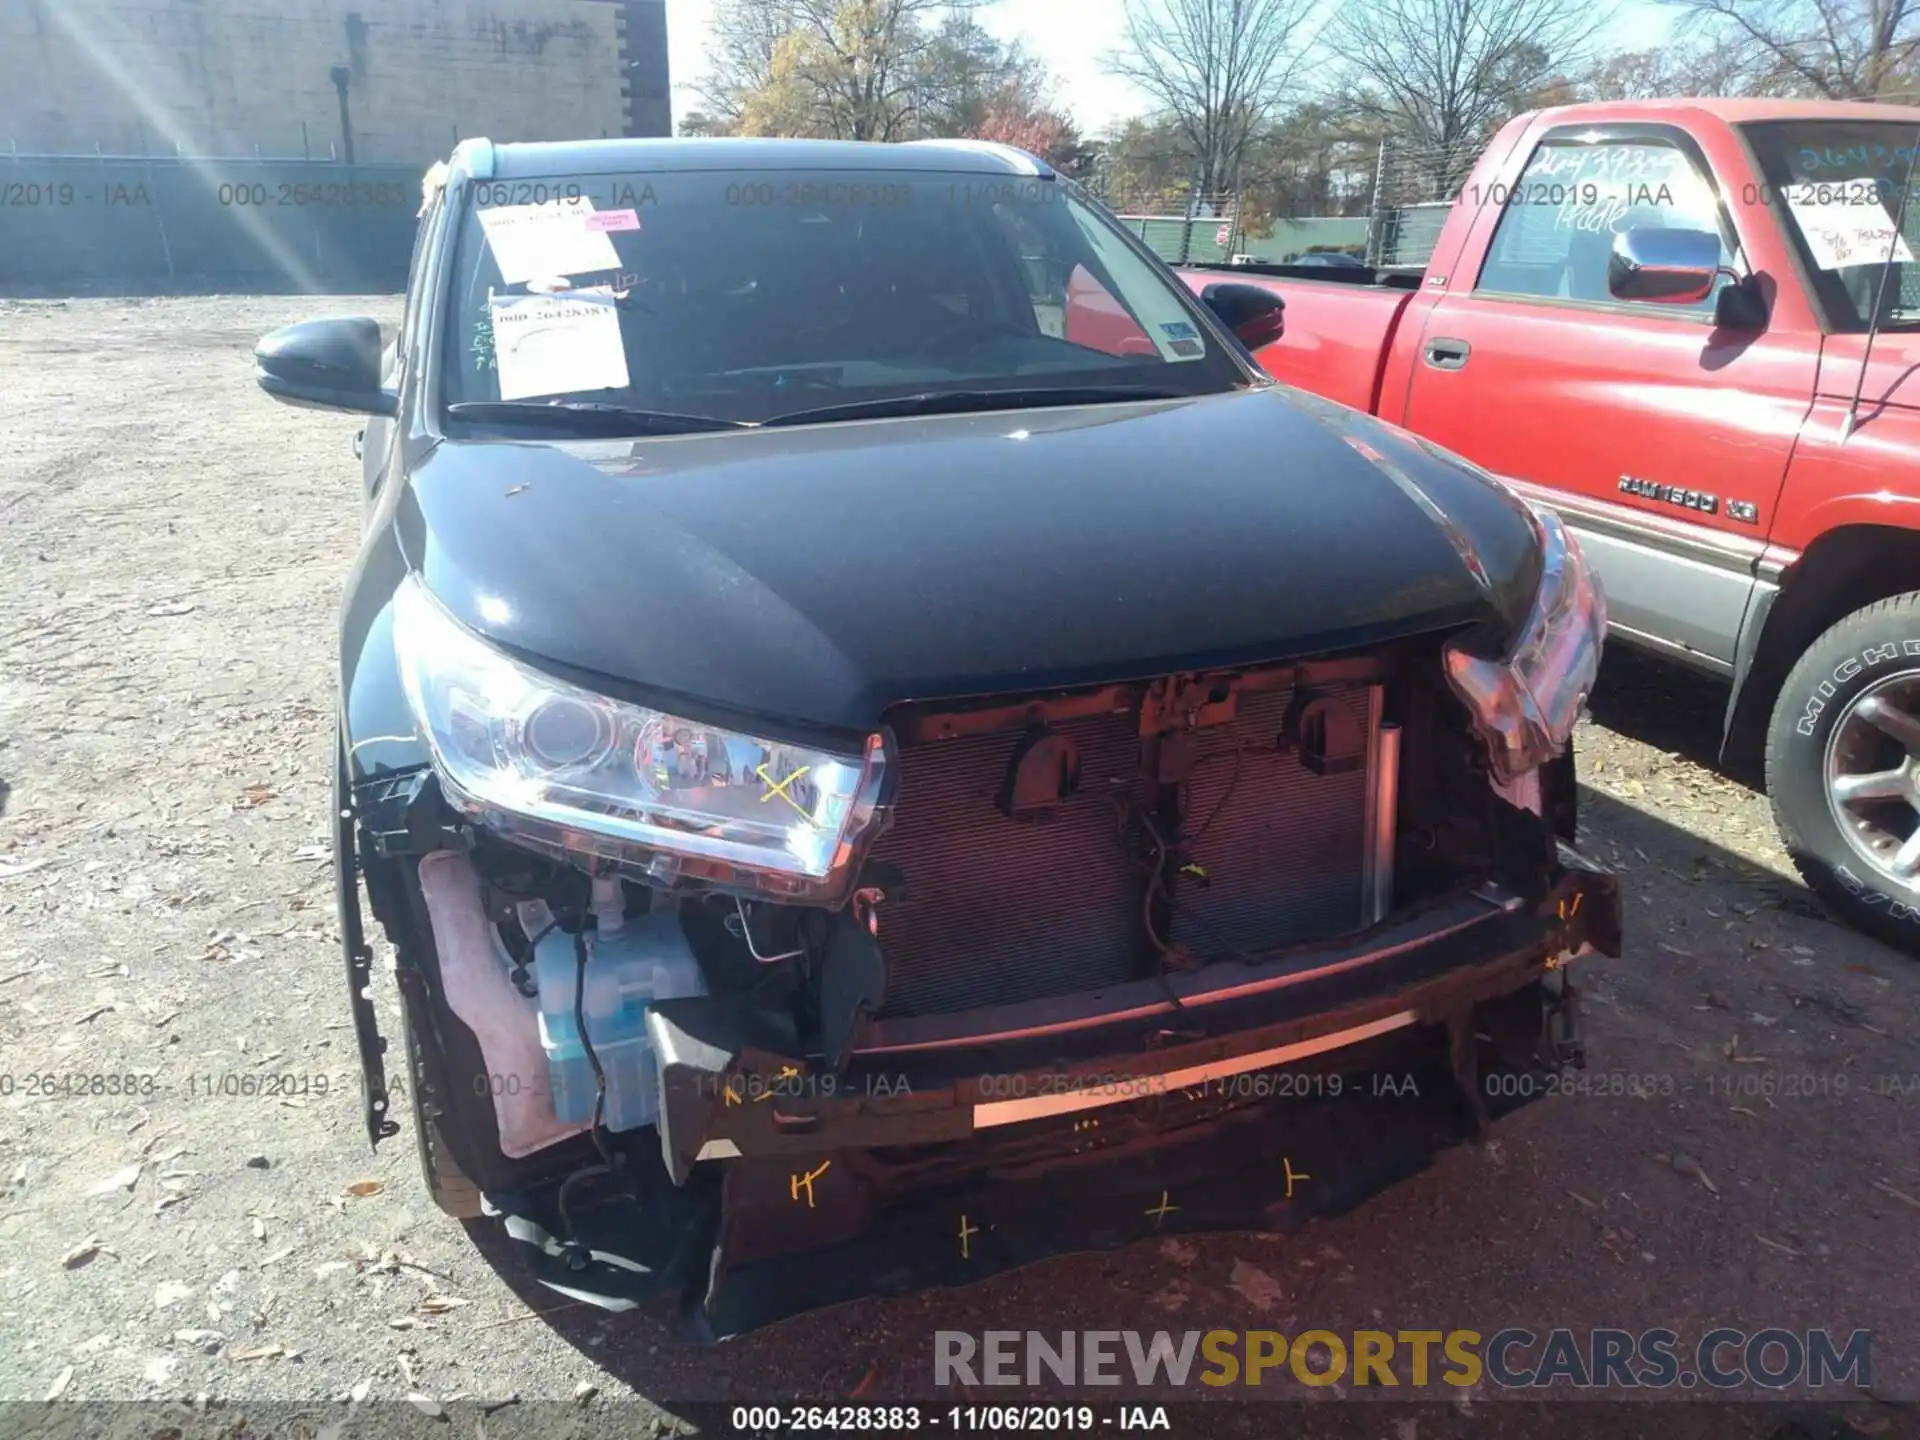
<point>956,402</point>
<point>588,414</point>
<point>608,419</point>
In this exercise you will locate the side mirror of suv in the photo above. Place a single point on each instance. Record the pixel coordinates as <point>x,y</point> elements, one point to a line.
<point>1252,312</point>
<point>331,364</point>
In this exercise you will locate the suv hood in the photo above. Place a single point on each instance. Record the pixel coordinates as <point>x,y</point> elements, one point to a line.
<point>818,575</point>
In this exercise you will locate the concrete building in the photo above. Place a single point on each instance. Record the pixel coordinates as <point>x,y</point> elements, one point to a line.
<point>394,80</point>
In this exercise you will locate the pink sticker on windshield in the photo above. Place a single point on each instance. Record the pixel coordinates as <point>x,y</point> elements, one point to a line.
<point>614,220</point>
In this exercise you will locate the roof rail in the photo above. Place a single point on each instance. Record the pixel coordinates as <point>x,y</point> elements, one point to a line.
<point>475,156</point>
<point>1029,164</point>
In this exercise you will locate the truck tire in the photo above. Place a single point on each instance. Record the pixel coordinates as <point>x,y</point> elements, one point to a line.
<point>1843,769</point>
<point>447,1183</point>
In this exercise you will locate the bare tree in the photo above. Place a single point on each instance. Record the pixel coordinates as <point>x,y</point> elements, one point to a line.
<point>1834,49</point>
<point>1217,67</point>
<point>1443,73</point>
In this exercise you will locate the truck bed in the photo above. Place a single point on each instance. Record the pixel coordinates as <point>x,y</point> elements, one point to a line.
<point>1399,278</point>
<point>1340,324</point>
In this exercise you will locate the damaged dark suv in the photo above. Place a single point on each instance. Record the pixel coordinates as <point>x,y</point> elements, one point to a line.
<point>887,748</point>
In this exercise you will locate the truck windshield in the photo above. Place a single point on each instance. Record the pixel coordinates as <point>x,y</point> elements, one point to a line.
<point>1836,186</point>
<point>743,296</point>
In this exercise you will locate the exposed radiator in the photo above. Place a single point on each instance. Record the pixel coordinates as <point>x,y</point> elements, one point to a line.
<point>1285,853</point>
<point>1000,910</point>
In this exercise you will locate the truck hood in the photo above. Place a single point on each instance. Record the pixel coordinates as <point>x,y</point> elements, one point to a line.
<point>817,575</point>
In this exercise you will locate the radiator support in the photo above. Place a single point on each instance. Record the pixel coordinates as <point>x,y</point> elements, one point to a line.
<point>1023,880</point>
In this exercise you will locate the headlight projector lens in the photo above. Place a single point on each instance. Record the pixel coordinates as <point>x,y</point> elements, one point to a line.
<point>566,734</point>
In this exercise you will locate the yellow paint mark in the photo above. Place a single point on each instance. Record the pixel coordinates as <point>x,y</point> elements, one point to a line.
<point>967,1232</point>
<point>780,787</point>
<point>787,1072</point>
<point>1198,872</point>
<point>1576,902</point>
<point>732,1093</point>
<point>1162,1210</point>
<point>797,1183</point>
<point>1291,1177</point>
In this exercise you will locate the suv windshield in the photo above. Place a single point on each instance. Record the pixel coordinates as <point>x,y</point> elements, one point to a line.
<point>1836,186</point>
<point>744,296</point>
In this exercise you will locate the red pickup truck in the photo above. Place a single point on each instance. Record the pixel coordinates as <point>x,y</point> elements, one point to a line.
<point>1692,329</point>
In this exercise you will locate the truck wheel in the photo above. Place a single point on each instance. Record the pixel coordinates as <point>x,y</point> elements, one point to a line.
<point>1843,769</point>
<point>447,1183</point>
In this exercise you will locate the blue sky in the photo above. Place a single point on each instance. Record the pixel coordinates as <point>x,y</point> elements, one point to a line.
<point>1071,36</point>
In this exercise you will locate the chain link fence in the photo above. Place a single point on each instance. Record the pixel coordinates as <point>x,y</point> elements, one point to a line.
<point>1411,188</point>
<point>1185,230</point>
<point>1414,188</point>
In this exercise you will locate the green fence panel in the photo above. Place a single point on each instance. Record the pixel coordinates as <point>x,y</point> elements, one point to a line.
<point>1174,238</point>
<point>1411,233</point>
<point>1163,237</point>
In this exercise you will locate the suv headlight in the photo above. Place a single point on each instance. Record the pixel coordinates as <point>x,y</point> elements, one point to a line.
<point>1524,706</point>
<point>570,771</point>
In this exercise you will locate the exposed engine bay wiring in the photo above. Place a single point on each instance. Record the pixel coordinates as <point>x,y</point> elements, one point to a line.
<point>608,1162</point>
<point>1239,753</point>
<point>1179,957</point>
<point>1172,955</point>
<point>519,974</point>
<point>738,926</point>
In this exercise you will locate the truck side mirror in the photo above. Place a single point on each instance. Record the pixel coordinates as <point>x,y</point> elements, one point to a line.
<point>1669,267</point>
<point>1741,306</point>
<point>331,364</point>
<point>1252,312</point>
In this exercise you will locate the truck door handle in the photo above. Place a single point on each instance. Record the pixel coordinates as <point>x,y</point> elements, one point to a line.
<point>1448,354</point>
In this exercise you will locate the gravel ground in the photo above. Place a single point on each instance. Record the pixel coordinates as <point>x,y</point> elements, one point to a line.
<point>171,550</point>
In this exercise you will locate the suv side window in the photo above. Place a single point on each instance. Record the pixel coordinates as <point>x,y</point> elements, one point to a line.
<point>1558,222</point>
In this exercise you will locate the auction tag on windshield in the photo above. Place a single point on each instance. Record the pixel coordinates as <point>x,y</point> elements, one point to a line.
<point>614,220</point>
<point>1841,228</point>
<point>558,344</point>
<point>529,241</point>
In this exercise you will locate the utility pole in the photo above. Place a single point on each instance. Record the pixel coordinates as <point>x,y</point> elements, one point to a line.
<point>1377,214</point>
<point>342,76</point>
